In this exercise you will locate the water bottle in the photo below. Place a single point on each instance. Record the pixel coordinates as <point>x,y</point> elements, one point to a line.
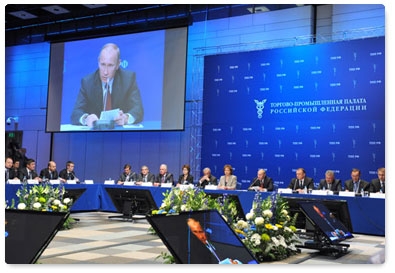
<point>305,190</point>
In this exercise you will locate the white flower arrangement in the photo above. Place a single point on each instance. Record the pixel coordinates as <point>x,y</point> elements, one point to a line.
<point>269,231</point>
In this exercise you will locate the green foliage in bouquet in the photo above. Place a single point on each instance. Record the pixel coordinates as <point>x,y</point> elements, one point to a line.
<point>177,200</point>
<point>269,231</point>
<point>43,197</point>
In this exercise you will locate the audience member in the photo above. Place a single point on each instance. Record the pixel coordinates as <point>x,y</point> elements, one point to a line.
<point>49,173</point>
<point>68,173</point>
<point>261,182</point>
<point>127,175</point>
<point>207,179</point>
<point>356,184</point>
<point>14,172</point>
<point>29,172</point>
<point>145,175</point>
<point>301,181</point>
<point>228,181</point>
<point>17,153</point>
<point>20,155</point>
<point>164,176</point>
<point>8,169</point>
<point>378,184</point>
<point>330,182</point>
<point>185,178</point>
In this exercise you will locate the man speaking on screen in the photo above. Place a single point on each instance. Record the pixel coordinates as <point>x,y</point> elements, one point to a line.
<point>109,89</point>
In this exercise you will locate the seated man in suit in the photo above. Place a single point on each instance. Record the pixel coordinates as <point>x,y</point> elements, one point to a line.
<point>50,172</point>
<point>164,176</point>
<point>108,87</point>
<point>356,184</point>
<point>9,173</point>
<point>145,175</point>
<point>301,181</point>
<point>127,175</point>
<point>378,184</point>
<point>330,182</point>
<point>262,182</point>
<point>29,172</point>
<point>15,170</point>
<point>207,179</point>
<point>68,173</point>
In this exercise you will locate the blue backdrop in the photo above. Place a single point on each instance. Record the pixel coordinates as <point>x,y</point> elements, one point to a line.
<point>317,106</point>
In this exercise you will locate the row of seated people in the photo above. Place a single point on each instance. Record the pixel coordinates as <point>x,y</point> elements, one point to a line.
<point>228,181</point>
<point>302,182</point>
<point>262,182</point>
<point>14,172</point>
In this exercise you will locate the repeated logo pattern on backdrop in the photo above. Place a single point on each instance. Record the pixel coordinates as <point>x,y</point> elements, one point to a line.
<point>317,106</point>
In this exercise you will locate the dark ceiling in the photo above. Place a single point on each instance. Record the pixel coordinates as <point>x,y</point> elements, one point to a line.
<point>44,22</point>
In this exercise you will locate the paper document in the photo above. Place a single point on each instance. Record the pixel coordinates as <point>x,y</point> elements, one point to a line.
<point>109,115</point>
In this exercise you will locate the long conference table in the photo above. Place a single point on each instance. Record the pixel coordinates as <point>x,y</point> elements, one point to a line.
<point>367,214</point>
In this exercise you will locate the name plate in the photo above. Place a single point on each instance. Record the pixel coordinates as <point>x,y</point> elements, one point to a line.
<point>285,190</point>
<point>347,193</point>
<point>32,181</point>
<point>146,184</point>
<point>166,185</point>
<point>14,181</point>
<point>88,182</point>
<point>377,195</point>
<point>319,192</point>
<point>54,181</point>
<point>109,182</point>
<point>71,181</point>
<point>211,187</point>
<point>186,187</point>
<point>129,183</point>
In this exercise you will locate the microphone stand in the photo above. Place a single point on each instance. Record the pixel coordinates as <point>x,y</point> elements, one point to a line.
<point>212,250</point>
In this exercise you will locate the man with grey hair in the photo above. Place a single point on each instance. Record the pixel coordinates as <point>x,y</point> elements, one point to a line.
<point>207,179</point>
<point>261,182</point>
<point>164,176</point>
<point>330,182</point>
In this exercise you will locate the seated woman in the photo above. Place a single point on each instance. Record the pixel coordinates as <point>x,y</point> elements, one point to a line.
<point>228,181</point>
<point>185,178</point>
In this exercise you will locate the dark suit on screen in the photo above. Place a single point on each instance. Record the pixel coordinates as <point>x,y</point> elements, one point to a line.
<point>335,186</point>
<point>266,183</point>
<point>125,95</point>
<point>375,186</point>
<point>46,173</point>
<point>307,182</point>
<point>364,185</point>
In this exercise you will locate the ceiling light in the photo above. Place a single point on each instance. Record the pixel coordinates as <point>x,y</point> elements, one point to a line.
<point>55,9</point>
<point>23,15</point>
<point>258,9</point>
